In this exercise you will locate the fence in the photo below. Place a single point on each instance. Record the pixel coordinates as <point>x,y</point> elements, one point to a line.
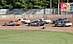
<point>33,11</point>
<point>29,11</point>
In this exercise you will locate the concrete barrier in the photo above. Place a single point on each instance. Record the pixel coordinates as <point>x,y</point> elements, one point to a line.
<point>34,16</point>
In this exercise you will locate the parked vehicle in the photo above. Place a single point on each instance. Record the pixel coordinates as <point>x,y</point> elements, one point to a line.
<point>36,23</point>
<point>64,23</point>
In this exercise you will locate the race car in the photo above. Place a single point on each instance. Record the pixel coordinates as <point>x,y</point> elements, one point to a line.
<point>64,23</point>
<point>12,23</point>
<point>24,20</point>
<point>36,23</point>
<point>46,20</point>
<point>58,20</point>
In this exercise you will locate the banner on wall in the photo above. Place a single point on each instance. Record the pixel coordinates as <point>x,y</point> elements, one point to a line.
<point>64,7</point>
<point>68,7</point>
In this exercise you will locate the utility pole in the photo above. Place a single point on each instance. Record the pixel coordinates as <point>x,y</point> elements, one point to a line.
<point>67,1</point>
<point>58,7</point>
<point>51,7</point>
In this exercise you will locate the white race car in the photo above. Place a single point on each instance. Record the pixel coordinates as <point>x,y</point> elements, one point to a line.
<point>46,20</point>
<point>24,20</point>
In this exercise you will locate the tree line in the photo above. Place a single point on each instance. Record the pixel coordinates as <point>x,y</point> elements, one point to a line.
<point>28,4</point>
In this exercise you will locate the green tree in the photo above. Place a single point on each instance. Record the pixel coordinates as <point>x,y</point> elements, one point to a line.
<point>28,4</point>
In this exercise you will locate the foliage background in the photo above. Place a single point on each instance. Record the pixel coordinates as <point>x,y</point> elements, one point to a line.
<point>28,4</point>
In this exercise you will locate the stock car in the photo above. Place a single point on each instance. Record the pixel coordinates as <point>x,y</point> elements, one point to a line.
<point>58,20</point>
<point>36,23</point>
<point>63,23</point>
<point>12,23</point>
<point>46,20</point>
<point>24,20</point>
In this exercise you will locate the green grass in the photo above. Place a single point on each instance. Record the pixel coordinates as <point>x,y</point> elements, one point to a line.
<point>35,37</point>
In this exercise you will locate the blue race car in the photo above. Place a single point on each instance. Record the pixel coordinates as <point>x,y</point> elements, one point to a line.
<point>63,23</point>
<point>36,23</point>
<point>58,20</point>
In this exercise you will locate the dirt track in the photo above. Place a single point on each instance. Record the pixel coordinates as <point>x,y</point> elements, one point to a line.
<point>49,27</point>
<point>61,29</point>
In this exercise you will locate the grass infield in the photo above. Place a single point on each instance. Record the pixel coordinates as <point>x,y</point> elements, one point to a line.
<point>35,37</point>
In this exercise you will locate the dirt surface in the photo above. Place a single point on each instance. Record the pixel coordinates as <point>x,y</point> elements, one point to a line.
<point>23,27</point>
